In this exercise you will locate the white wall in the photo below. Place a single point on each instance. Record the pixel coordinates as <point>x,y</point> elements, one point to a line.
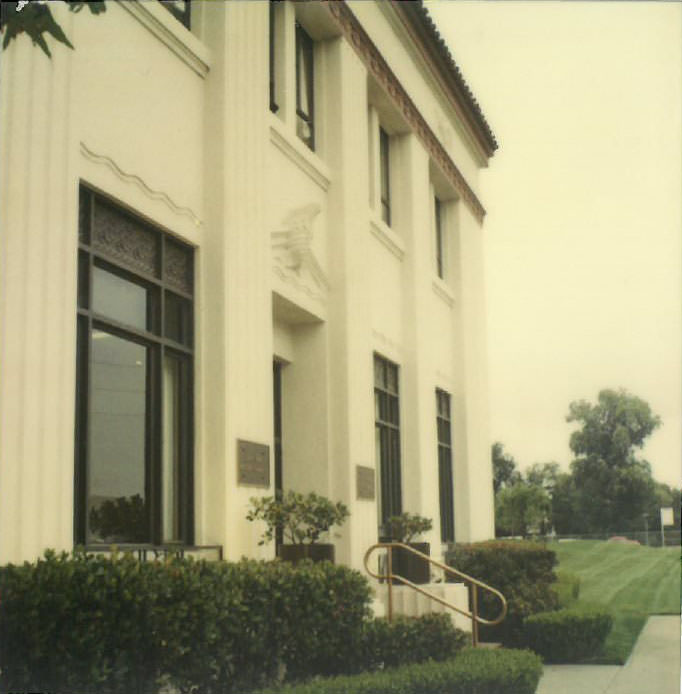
<point>177,128</point>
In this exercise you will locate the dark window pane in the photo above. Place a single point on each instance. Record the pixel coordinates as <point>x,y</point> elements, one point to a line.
<point>116,491</point>
<point>178,319</point>
<point>119,299</point>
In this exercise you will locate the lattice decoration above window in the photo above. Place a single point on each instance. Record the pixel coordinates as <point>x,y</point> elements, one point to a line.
<point>126,240</point>
<point>178,267</point>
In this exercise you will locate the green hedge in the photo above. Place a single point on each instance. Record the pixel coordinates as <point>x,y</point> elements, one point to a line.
<point>472,672</point>
<point>567,636</point>
<point>521,571</point>
<point>93,623</point>
<point>567,588</point>
<point>409,640</point>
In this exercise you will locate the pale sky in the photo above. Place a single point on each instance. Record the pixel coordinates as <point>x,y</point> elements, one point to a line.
<point>583,236</point>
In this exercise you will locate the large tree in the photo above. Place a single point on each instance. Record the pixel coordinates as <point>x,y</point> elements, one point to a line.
<point>521,509</point>
<point>613,488</point>
<point>505,473</point>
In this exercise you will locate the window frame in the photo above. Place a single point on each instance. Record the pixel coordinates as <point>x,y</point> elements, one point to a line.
<point>182,15</point>
<point>153,337</point>
<point>387,399</point>
<point>305,45</point>
<point>445,471</point>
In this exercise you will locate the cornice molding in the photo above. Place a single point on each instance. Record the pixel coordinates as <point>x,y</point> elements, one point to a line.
<point>377,66</point>
<point>139,183</point>
<point>442,291</point>
<point>304,160</point>
<point>170,32</point>
<point>387,237</point>
<point>423,31</point>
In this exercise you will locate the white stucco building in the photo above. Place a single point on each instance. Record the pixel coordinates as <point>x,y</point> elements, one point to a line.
<point>271,215</point>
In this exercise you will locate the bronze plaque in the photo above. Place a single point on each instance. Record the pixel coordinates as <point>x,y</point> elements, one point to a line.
<point>253,464</point>
<point>365,482</point>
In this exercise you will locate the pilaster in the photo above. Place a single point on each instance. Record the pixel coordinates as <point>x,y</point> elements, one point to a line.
<point>474,506</point>
<point>38,306</point>
<point>350,363</point>
<point>236,293</point>
<point>412,215</point>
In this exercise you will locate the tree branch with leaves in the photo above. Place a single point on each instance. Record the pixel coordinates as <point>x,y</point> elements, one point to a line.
<point>35,19</point>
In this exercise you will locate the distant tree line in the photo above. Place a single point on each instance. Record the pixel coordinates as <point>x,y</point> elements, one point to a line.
<point>608,489</point>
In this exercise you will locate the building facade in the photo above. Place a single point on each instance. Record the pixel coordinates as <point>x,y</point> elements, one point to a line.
<point>241,251</point>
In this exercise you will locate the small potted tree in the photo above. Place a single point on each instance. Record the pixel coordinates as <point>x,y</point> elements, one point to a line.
<point>303,518</point>
<point>405,528</point>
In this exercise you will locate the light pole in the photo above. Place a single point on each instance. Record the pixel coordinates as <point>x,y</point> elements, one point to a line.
<point>646,529</point>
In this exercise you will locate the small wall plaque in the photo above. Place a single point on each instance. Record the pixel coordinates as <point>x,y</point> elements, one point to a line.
<point>253,464</point>
<point>365,482</point>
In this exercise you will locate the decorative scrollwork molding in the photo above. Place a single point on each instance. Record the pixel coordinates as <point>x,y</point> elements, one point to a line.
<point>379,69</point>
<point>293,251</point>
<point>140,183</point>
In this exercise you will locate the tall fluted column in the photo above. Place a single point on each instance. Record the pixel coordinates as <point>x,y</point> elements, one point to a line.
<point>236,318</point>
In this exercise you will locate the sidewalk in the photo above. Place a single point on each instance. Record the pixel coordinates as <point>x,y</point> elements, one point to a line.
<point>653,666</point>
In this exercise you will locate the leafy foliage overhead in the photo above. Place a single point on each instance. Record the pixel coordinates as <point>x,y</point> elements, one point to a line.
<point>35,19</point>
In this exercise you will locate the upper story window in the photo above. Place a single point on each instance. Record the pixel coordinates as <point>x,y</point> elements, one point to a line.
<point>440,250</point>
<point>385,176</point>
<point>134,380</point>
<point>180,9</point>
<point>305,106</point>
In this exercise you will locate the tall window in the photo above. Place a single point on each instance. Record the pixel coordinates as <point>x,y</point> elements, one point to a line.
<point>305,107</point>
<point>440,266</point>
<point>387,438</point>
<point>445,481</point>
<point>134,380</point>
<point>384,176</point>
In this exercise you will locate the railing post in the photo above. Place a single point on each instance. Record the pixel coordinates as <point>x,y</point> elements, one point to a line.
<point>390,583</point>
<point>474,617</point>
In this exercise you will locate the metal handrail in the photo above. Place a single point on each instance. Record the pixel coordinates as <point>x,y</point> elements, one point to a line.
<point>473,585</point>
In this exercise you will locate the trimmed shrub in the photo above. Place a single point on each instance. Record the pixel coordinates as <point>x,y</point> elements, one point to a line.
<point>567,588</point>
<point>567,636</point>
<point>472,672</point>
<point>409,640</point>
<point>113,624</point>
<point>521,571</point>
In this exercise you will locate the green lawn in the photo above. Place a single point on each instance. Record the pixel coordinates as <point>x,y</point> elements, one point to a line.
<point>631,581</point>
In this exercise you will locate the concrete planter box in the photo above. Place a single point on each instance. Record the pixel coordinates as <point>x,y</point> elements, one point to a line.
<point>315,552</point>
<point>410,566</point>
